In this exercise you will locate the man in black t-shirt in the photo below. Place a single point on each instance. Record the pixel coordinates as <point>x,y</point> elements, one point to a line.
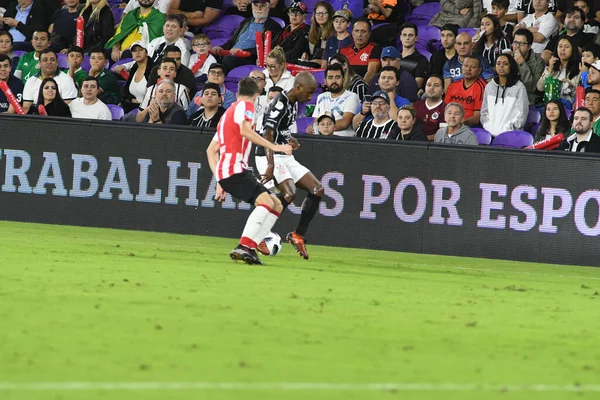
<point>284,171</point>
<point>199,13</point>
<point>574,19</point>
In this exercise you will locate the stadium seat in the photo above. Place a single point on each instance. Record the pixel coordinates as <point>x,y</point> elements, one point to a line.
<point>236,74</point>
<point>279,21</point>
<point>425,53</point>
<point>471,31</point>
<point>533,118</point>
<point>483,136</point>
<point>123,61</point>
<point>223,27</point>
<point>116,111</point>
<point>118,13</point>
<point>320,77</point>
<point>427,9</point>
<point>62,61</point>
<point>303,123</point>
<point>428,34</point>
<point>18,53</point>
<point>218,42</point>
<point>513,139</point>
<point>310,4</point>
<point>419,20</point>
<point>85,65</point>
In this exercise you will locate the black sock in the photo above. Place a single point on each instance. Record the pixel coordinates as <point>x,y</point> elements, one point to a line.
<point>309,210</point>
<point>281,198</point>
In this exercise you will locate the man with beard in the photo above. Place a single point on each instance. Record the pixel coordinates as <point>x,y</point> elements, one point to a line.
<point>163,109</point>
<point>573,20</point>
<point>284,170</point>
<point>131,27</point>
<point>381,125</point>
<point>338,101</point>
<point>583,140</point>
<point>430,110</point>
<point>89,106</point>
<point>15,84</point>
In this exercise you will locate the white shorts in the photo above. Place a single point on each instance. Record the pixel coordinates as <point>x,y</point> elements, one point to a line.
<point>286,167</point>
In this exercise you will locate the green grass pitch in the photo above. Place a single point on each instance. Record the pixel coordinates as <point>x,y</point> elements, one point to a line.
<point>139,315</point>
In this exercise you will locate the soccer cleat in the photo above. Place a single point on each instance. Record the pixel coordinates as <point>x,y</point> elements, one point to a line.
<point>298,242</point>
<point>255,259</point>
<point>242,253</point>
<point>263,249</point>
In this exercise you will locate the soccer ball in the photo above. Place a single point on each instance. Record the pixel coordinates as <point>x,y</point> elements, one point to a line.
<point>273,242</point>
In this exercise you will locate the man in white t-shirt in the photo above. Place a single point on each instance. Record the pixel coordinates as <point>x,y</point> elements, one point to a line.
<point>541,24</point>
<point>48,69</point>
<point>89,106</point>
<point>338,101</point>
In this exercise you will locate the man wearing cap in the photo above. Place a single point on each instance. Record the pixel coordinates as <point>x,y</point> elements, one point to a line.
<point>210,113</point>
<point>439,58</point>
<point>464,48</point>
<point>244,37</point>
<point>216,75</point>
<point>380,126</point>
<point>455,132</point>
<point>411,60</point>
<point>363,56</point>
<point>407,85</point>
<point>199,13</point>
<point>163,109</point>
<point>326,124</point>
<point>341,22</point>
<point>593,78</point>
<point>294,37</point>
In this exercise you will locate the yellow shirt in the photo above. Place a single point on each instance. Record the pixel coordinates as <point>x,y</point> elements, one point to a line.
<point>134,36</point>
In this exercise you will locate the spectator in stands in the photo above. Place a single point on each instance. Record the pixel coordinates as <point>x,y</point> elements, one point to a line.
<point>48,69</point>
<point>321,29</point>
<point>407,126</point>
<point>160,5</point>
<point>526,7</point>
<point>441,57</point>
<point>593,79</point>
<point>275,72</point>
<point>561,76</point>
<point>29,62</point>
<point>326,124</point>
<point>108,88</point>
<point>592,103</point>
<point>184,76</point>
<point>530,63</point>
<point>584,139</point>
<point>407,88</point>
<point>216,74</point>
<point>430,110</point>
<point>14,84</point>
<point>455,132</point>
<point>341,39</point>
<point>89,106</point>
<point>453,68</point>
<point>75,59</point>
<point>468,92</point>
<point>294,37</point>
<point>277,8</point>
<point>21,19</point>
<point>541,24</point>
<point>381,125</point>
<point>505,104</point>
<point>464,13</point>
<point>201,48</point>
<point>131,27</point>
<point>99,24</point>
<point>6,43</point>
<point>172,35</point>
<point>379,10</point>
<point>198,13</point>
<point>411,60</point>
<point>210,113</point>
<point>63,26</point>
<point>167,70</point>
<point>363,55</point>
<point>590,25</point>
<point>244,37</point>
<point>590,54</point>
<point>135,87</point>
<point>388,82</point>
<point>164,109</point>
<point>50,99</point>
<point>500,9</point>
<point>352,81</point>
<point>573,20</point>
<point>263,99</point>
<point>491,41</point>
<point>554,121</point>
<point>342,103</point>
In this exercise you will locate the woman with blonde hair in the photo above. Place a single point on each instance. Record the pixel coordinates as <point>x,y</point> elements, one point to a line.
<point>321,28</point>
<point>275,72</point>
<point>99,24</point>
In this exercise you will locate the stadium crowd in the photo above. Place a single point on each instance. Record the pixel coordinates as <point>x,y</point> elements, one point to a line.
<point>454,71</point>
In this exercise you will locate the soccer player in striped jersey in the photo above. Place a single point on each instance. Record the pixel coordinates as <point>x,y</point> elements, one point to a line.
<point>286,172</point>
<point>228,155</point>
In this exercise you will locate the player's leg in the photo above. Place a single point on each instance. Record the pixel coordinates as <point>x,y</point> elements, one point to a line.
<point>287,192</point>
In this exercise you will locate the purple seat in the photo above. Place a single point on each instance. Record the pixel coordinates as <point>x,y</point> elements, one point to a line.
<point>310,4</point>
<point>425,53</point>
<point>471,31</point>
<point>428,34</point>
<point>483,136</point>
<point>85,65</point>
<point>62,61</point>
<point>120,62</point>
<point>218,42</point>
<point>419,20</point>
<point>223,27</point>
<point>429,9</point>
<point>513,139</point>
<point>118,14</point>
<point>279,21</point>
<point>533,118</point>
<point>355,6</point>
<point>116,111</point>
<point>236,74</point>
<point>303,123</point>
<point>320,77</point>
<point>18,53</point>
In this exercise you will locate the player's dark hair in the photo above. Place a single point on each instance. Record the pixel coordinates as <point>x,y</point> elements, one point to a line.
<point>42,31</point>
<point>40,99</point>
<point>525,32</point>
<point>172,49</point>
<point>441,78</point>
<point>502,4</point>
<point>75,49</point>
<point>213,86</point>
<point>46,51</point>
<point>592,48</point>
<point>277,89</point>
<point>4,57</point>
<point>590,90</point>
<point>409,25</point>
<point>167,60</point>
<point>363,19</point>
<point>584,109</point>
<point>573,10</point>
<point>247,87</point>
<point>97,50</point>
<point>179,18</point>
<point>91,78</point>
<point>7,34</point>
<point>472,57</point>
<point>393,69</point>
<point>334,67</point>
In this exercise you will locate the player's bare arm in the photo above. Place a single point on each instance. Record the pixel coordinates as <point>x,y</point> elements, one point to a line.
<point>268,175</point>
<point>212,153</point>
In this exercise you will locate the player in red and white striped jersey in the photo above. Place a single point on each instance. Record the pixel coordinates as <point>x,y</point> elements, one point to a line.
<point>228,156</point>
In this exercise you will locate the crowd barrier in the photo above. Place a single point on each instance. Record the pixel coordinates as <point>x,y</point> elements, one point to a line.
<point>465,201</point>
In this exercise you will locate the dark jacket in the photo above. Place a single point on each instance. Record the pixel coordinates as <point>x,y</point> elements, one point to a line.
<point>593,146</point>
<point>417,133</point>
<point>270,25</point>
<point>37,20</point>
<point>184,77</point>
<point>295,44</point>
<point>127,96</point>
<point>53,109</point>
<point>97,33</point>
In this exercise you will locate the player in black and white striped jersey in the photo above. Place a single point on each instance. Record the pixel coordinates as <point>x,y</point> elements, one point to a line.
<point>381,125</point>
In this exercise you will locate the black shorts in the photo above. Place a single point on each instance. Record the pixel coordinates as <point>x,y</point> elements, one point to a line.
<point>243,186</point>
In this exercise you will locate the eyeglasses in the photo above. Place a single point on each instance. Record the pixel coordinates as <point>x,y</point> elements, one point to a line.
<point>200,44</point>
<point>216,73</point>
<point>378,103</point>
<point>520,43</point>
<point>322,13</point>
<point>272,66</point>
<point>295,13</point>
<point>257,78</point>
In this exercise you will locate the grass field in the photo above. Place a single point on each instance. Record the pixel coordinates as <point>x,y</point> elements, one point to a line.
<point>107,314</point>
